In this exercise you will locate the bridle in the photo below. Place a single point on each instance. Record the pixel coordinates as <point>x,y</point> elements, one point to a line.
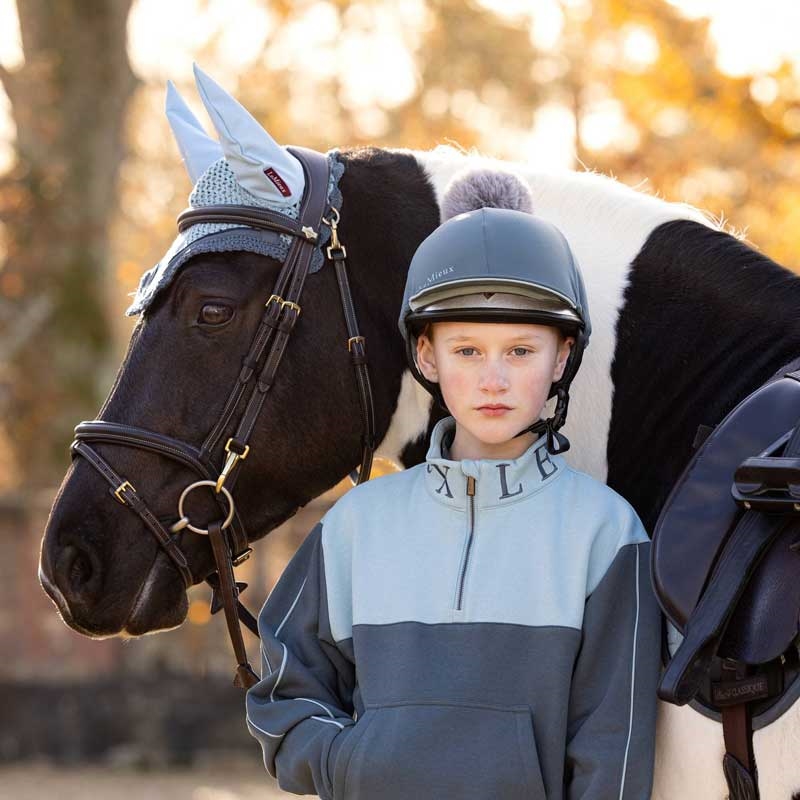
<point>228,537</point>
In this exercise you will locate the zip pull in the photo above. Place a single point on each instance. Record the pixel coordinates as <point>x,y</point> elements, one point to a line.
<point>470,486</point>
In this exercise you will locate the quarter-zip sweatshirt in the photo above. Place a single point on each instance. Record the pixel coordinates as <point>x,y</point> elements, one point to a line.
<point>465,629</point>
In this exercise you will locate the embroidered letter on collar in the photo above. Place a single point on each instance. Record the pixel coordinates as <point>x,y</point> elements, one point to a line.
<point>443,472</point>
<point>542,458</point>
<point>504,483</point>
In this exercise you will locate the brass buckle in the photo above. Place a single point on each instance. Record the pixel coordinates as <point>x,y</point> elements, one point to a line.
<point>230,463</point>
<point>242,557</point>
<point>121,488</point>
<point>355,339</point>
<point>274,298</point>
<point>289,303</point>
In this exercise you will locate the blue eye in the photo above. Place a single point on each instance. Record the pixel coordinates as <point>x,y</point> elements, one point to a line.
<point>464,350</point>
<point>521,351</point>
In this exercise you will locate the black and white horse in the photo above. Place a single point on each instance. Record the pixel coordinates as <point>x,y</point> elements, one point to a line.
<point>687,321</point>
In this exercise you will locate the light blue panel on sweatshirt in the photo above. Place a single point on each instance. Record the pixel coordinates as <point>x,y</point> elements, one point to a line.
<point>394,552</point>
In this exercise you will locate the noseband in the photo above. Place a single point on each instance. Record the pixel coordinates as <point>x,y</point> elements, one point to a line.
<point>228,536</point>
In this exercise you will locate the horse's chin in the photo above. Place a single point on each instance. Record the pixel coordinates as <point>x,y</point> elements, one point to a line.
<point>161,605</point>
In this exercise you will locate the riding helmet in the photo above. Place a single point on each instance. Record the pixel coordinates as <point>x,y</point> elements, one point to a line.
<point>498,265</point>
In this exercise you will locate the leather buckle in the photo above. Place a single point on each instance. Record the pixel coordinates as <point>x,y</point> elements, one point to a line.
<point>124,486</point>
<point>292,305</point>
<point>354,340</point>
<point>242,557</point>
<point>770,484</point>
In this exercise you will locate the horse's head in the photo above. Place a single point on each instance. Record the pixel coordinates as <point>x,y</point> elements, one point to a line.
<point>193,364</point>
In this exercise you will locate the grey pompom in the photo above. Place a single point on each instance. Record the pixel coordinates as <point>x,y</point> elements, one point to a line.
<point>485,188</point>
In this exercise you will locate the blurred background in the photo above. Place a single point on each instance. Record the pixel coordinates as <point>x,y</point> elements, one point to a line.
<point>692,100</point>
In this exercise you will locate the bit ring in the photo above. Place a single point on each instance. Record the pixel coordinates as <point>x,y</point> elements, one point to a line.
<point>182,516</point>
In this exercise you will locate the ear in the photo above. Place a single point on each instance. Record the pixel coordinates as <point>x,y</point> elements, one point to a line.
<point>260,164</point>
<point>426,359</point>
<point>564,349</point>
<point>198,150</point>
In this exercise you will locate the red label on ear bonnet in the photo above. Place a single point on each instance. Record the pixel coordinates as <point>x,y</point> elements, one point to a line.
<point>280,185</point>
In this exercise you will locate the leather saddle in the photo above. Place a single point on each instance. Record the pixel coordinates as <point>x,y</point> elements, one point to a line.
<point>726,570</point>
<point>726,553</point>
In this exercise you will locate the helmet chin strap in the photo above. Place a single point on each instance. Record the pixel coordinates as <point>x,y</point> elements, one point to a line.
<point>550,426</point>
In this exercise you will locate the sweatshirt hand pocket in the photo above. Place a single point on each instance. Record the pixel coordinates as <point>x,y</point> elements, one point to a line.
<point>426,750</point>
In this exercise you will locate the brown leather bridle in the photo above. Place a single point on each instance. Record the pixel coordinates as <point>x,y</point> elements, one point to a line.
<point>228,537</point>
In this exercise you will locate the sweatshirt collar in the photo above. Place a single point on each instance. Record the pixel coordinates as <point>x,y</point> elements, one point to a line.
<point>498,482</point>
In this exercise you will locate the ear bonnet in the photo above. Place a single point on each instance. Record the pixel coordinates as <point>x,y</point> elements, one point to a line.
<point>246,167</point>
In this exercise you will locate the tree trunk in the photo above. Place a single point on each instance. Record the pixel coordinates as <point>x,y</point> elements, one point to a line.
<point>68,102</point>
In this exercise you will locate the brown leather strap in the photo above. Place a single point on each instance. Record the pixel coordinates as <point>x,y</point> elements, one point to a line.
<point>356,345</point>
<point>245,676</point>
<point>130,436</point>
<point>737,728</point>
<point>247,216</point>
<point>123,491</point>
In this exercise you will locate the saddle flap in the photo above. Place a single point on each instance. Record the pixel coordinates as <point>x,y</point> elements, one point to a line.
<point>701,512</point>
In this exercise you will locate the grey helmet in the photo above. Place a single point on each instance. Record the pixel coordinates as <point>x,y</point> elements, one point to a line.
<point>502,265</point>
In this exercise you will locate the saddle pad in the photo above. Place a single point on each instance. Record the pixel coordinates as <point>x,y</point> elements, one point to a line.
<point>700,513</point>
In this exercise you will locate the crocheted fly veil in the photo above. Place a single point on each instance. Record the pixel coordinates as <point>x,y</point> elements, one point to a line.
<point>246,167</point>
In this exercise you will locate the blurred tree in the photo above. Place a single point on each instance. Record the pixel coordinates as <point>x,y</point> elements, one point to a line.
<point>684,129</point>
<point>68,102</point>
<point>637,79</point>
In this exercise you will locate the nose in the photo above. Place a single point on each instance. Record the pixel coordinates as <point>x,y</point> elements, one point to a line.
<point>493,377</point>
<point>77,575</point>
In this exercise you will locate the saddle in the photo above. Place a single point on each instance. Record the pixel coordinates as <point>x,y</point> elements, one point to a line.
<point>726,569</point>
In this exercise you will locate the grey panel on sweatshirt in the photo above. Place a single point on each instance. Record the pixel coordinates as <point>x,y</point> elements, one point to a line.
<point>472,664</point>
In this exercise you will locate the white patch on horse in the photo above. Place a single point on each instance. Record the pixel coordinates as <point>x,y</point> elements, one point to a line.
<point>606,224</point>
<point>409,421</point>
<point>691,747</point>
<point>776,749</point>
<point>689,755</point>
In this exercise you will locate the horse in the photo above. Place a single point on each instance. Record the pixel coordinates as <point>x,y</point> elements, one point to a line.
<point>687,318</point>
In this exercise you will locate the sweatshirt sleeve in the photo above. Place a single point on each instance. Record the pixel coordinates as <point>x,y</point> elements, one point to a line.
<point>612,712</point>
<point>305,696</point>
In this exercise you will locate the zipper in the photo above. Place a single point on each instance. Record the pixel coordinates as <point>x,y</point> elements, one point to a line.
<point>463,575</point>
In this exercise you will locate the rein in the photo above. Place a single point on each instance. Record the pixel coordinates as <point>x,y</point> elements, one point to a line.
<point>227,535</point>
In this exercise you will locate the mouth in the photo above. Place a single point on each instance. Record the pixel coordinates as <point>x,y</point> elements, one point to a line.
<point>494,409</point>
<point>146,615</point>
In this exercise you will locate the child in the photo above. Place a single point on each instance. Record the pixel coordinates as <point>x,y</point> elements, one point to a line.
<point>481,625</point>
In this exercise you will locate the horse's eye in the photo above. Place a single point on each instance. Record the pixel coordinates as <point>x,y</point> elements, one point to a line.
<point>215,314</point>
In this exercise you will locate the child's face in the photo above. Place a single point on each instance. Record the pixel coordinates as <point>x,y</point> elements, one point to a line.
<point>495,377</point>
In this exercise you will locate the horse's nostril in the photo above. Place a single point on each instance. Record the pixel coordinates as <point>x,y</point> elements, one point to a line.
<point>74,574</point>
<point>80,571</point>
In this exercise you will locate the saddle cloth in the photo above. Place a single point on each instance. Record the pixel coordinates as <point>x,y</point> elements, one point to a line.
<point>726,578</point>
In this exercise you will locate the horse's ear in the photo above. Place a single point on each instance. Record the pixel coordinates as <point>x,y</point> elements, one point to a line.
<point>260,164</point>
<point>198,150</point>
